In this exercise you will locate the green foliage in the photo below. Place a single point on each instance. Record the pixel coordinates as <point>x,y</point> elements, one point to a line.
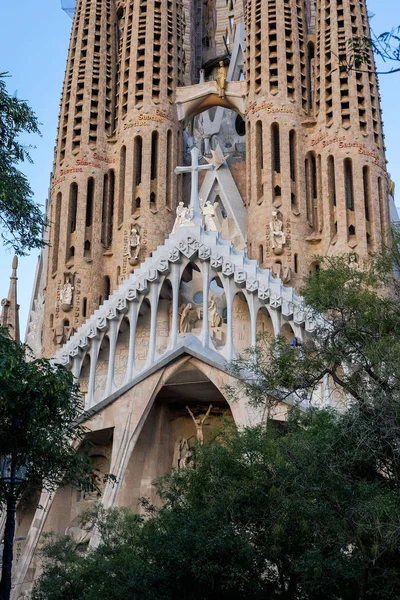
<point>386,46</point>
<point>39,407</point>
<point>21,219</point>
<point>276,514</point>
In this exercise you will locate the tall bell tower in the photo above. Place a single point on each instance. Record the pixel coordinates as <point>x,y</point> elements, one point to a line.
<point>117,145</point>
<point>315,150</point>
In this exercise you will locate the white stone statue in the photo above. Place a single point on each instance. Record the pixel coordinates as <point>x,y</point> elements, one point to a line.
<point>208,213</point>
<point>186,320</point>
<point>278,238</point>
<point>183,217</point>
<point>214,318</point>
<point>199,422</point>
<point>182,454</point>
<point>66,293</point>
<point>186,218</point>
<point>135,243</point>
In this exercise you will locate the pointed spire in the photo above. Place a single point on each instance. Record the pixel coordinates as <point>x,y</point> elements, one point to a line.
<point>10,308</point>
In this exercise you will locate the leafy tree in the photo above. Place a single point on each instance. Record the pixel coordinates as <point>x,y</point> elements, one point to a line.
<point>39,437</point>
<point>386,46</point>
<point>21,219</point>
<point>307,510</point>
<point>265,514</point>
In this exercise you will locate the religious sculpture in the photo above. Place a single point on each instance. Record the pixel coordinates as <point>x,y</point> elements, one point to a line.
<point>199,423</point>
<point>353,261</point>
<point>183,217</point>
<point>278,238</point>
<point>221,79</point>
<point>187,319</point>
<point>194,210</point>
<point>214,318</point>
<point>182,454</point>
<point>80,532</point>
<point>66,295</point>
<point>208,214</point>
<point>135,244</point>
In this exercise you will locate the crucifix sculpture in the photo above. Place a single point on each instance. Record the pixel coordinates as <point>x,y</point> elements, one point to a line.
<point>199,422</point>
<point>194,169</point>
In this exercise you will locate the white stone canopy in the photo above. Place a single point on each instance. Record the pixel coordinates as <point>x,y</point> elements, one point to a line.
<point>209,257</point>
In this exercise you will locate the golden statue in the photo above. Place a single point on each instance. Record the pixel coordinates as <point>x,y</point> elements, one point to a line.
<point>221,79</point>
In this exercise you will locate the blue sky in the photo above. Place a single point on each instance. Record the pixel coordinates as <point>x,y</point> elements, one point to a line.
<point>34,39</point>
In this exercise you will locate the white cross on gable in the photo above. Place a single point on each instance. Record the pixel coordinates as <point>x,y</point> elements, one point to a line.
<point>194,169</point>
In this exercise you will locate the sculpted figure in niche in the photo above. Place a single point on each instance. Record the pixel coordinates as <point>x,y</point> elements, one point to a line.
<point>214,318</point>
<point>221,79</point>
<point>278,238</point>
<point>135,243</point>
<point>189,316</point>
<point>208,213</point>
<point>182,454</point>
<point>66,294</point>
<point>353,261</point>
<point>199,423</point>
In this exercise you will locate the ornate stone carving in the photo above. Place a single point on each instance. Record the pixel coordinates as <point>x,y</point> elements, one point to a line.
<point>66,294</point>
<point>199,423</point>
<point>188,317</point>
<point>214,318</point>
<point>208,214</point>
<point>135,245</point>
<point>221,79</point>
<point>182,454</point>
<point>278,238</point>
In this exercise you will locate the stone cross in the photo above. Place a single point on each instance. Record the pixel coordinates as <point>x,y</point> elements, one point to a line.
<point>194,170</point>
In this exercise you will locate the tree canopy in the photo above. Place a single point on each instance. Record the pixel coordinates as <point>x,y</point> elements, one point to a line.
<point>21,219</point>
<point>39,408</point>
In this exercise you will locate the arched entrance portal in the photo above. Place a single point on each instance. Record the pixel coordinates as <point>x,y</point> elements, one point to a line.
<point>187,409</point>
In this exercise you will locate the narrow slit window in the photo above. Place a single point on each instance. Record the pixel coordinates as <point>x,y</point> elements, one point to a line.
<point>137,157</point>
<point>154,155</point>
<point>349,185</point>
<point>276,148</point>
<point>89,202</point>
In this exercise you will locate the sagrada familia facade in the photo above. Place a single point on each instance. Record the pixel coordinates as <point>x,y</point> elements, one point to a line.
<point>207,150</point>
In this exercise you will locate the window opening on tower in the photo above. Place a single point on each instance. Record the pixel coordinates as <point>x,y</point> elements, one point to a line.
<point>349,186</point>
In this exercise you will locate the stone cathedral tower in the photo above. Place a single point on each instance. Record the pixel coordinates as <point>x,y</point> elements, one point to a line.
<point>305,141</point>
<point>280,146</point>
